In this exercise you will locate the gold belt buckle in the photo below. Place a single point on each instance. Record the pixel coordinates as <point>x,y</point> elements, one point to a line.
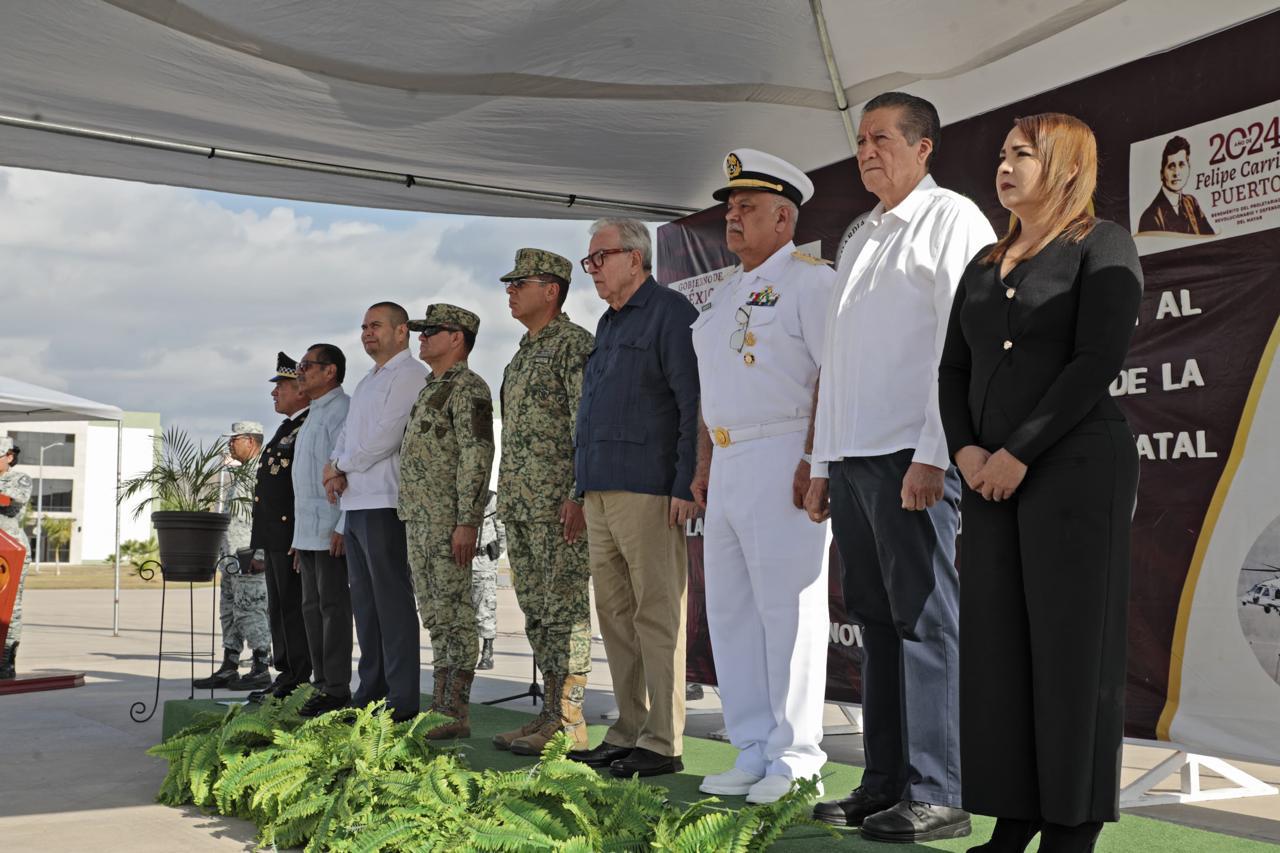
<point>721,436</point>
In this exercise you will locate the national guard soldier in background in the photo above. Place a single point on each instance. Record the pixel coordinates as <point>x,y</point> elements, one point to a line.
<point>538,499</point>
<point>759,347</point>
<point>484,579</point>
<point>242,601</point>
<point>273,535</point>
<point>445,463</point>
<point>15,491</point>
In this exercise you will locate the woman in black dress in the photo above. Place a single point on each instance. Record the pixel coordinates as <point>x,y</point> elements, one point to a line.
<point>1040,327</point>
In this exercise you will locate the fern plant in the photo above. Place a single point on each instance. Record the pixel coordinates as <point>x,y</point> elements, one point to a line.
<point>355,781</point>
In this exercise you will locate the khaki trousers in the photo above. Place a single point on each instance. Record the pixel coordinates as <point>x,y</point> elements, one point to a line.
<point>640,570</point>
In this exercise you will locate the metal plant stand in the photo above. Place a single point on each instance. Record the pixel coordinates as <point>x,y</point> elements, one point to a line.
<point>534,691</point>
<point>139,711</point>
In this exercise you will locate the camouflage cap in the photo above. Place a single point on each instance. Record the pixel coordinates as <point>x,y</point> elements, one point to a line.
<point>286,368</point>
<point>6,444</point>
<point>444,314</point>
<point>539,262</point>
<point>245,428</point>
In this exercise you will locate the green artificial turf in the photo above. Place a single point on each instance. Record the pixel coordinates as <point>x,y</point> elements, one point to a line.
<point>1131,835</point>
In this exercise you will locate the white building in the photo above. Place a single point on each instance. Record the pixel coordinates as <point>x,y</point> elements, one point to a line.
<point>78,479</point>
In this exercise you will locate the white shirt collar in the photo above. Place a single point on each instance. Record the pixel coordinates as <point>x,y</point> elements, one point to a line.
<point>905,209</point>
<point>771,269</point>
<point>1175,199</point>
<point>392,362</point>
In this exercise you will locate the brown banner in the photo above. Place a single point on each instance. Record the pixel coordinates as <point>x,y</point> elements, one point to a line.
<point>1209,309</point>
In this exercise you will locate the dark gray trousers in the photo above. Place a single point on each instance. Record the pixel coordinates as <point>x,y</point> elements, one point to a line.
<point>900,584</point>
<point>290,655</point>
<point>382,601</point>
<point>326,612</point>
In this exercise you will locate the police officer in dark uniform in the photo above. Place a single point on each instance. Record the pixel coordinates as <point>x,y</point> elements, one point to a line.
<point>272,536</point>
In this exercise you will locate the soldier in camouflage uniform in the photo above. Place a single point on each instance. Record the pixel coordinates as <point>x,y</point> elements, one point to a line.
<point>537,496</point>
<point>242,599</point>
<point>445,462</point>
<point>484,579</point>
<point>15,491</point>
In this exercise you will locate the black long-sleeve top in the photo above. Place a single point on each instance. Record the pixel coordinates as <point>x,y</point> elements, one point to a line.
<point>1028,358</point>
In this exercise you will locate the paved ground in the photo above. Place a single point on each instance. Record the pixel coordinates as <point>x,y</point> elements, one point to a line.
<point>74,776</point>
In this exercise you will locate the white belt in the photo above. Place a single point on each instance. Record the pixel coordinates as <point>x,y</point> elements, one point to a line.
<point>725,436</point>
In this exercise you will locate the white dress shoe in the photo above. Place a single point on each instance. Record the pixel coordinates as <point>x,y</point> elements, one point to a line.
<point>771,788</point>
<point>732,782</point>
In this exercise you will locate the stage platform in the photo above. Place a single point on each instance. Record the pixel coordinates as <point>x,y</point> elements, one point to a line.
<point>702,756</point>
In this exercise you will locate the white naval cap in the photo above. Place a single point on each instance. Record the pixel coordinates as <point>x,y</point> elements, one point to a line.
<point>748,169</point>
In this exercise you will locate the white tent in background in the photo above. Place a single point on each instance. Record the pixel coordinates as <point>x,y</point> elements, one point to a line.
<point>550,108</point>
<point>22,401</point>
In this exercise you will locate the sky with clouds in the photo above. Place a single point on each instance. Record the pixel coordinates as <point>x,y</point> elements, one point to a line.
<point>176,301</point>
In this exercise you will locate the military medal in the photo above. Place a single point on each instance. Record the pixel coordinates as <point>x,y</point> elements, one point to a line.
<point>749,339</point>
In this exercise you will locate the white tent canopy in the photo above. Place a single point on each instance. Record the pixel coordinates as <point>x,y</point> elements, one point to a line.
<point>22,401</point>
<point>544,108</point>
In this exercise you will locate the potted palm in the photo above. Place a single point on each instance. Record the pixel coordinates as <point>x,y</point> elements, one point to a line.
<point>188,488</point>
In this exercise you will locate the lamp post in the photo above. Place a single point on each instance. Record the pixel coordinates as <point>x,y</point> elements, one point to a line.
<point>40,501</point>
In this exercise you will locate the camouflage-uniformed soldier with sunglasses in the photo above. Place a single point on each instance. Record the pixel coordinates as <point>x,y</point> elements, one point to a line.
<point>537,495</point>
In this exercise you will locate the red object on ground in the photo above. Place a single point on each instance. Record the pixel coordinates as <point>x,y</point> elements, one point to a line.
<point>12,555</point>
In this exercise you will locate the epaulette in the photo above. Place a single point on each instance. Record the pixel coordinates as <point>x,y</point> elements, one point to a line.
<point>809,259</point>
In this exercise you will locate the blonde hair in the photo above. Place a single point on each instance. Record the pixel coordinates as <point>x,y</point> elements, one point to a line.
<point>1068,155</point>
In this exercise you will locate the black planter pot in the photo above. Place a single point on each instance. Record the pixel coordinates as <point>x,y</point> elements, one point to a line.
<point>189,543</point>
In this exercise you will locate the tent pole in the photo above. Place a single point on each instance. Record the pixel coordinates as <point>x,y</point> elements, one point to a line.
<point>837,86</point>
<point>115,605</point>
<point>658,211</point>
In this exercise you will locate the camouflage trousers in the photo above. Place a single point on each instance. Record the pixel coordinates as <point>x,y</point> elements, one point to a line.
<point>242,610</point>
<point>15,619</point>
<point>443,589</point>
<point>484,596</point>
<point>551,578</point>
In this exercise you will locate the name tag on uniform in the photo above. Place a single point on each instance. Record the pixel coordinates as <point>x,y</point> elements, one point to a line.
<point>542,358</point>
<point>766,298</point>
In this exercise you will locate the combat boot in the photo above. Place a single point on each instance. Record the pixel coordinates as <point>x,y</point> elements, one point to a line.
<point>486,655</point>
<point>457,704</point>
<point>223,675</point>
<point>571,716</point>
<point>8,663</point>
<point>439,687</point>
<point>258,677</point>
<point>503,740</point>
<point>552,702</point>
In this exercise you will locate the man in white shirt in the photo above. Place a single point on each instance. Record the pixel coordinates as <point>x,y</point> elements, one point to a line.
<point>894,497</point>
<point>758,348</point>
<point>365,472</point>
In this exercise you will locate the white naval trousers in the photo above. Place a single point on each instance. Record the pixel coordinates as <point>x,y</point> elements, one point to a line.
<point>766,589</point>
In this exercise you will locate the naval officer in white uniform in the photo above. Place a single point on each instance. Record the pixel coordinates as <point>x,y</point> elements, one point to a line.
<point>759,347</point>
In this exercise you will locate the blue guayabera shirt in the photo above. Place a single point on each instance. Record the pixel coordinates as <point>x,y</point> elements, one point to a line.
<point>638,419</point>
<point>314,517</point>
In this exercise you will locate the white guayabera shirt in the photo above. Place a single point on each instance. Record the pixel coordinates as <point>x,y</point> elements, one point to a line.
<point>894,287</point>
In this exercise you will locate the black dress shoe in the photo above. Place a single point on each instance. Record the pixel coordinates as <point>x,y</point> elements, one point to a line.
<point>1057,838</point>
<point>602,756</point>
<point>853,809</point>
<point>910,821</point>
<point>645,762</point>
<point>322,703</point>
<point>1010,836</point>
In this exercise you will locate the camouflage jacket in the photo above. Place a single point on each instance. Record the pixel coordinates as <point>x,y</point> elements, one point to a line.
<point>447,454</point>
<point>17,487</point>
<point>241,527</point>
<point>541,388</point>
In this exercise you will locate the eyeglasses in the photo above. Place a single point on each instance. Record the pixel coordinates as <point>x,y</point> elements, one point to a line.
<point>740,334</point>
<point>596,259</point>
<point>428,331</point>
<point>306,365</point>
<point>519,283</point>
